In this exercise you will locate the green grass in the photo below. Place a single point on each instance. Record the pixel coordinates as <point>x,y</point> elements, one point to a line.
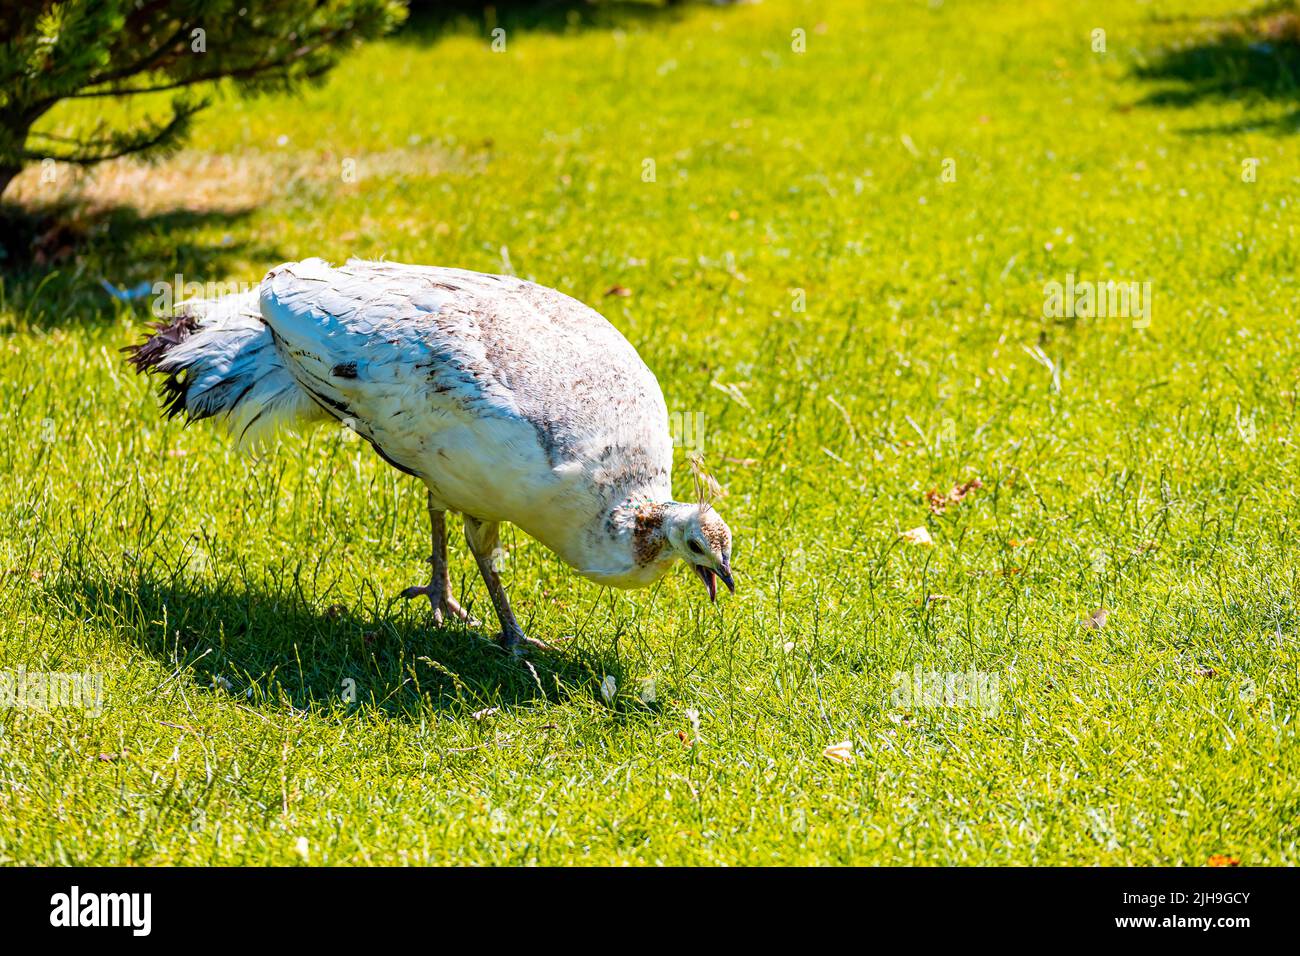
<point>1153,472</point>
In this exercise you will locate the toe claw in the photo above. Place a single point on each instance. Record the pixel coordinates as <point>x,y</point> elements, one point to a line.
<point>519,643</point>
<point>444,606</point>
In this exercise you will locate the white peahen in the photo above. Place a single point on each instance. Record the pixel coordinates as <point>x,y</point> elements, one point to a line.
<point>510,401</point>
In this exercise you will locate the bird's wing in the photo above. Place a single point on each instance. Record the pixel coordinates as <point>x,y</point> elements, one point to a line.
<point>399,351</point>
<point>393,356</point>
<point>351,325</point>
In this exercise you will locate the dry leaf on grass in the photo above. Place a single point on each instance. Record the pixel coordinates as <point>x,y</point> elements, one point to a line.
<point>608,689</point>
<point>1096,620</point>
<point>939,502</point>
<point>841,752</point>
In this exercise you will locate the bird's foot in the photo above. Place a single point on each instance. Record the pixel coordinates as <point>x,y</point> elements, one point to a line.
<point>445,607</point>
<point>518,643</point>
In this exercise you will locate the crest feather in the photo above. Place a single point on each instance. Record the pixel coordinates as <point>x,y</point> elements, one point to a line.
<point>707,489</point>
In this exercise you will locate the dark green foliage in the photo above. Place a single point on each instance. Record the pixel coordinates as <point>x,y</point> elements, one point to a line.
<point>50,52</point>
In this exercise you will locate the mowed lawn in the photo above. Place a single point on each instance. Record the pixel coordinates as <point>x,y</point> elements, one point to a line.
<point>857,326</point>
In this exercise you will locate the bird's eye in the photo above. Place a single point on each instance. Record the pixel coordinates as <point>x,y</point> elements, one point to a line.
<point>695,546</point>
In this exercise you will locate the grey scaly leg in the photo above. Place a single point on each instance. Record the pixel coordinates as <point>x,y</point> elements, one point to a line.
<point>438,589</point>
<point>482,537</point>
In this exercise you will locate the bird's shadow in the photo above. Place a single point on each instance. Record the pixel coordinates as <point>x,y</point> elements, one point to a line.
<point>275,652</point>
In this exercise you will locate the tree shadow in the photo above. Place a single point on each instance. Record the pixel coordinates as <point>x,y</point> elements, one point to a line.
<point>1252,57</point>
<point>431,19</point>
<point>55,256</point>
<point>272,651</point>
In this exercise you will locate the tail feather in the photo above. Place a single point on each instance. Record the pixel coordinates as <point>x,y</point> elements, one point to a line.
<point>219,360</point>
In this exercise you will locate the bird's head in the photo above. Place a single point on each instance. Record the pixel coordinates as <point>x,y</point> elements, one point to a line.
<point>698,536</point>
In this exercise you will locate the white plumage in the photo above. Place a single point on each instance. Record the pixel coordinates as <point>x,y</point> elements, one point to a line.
<point>510,401</point>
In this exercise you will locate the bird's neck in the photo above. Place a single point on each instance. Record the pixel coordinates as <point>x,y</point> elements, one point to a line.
<point>637,542</point>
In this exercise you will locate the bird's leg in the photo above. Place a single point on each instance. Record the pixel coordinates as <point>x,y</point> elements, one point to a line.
<point>482,537</point>
<point>438,589</point>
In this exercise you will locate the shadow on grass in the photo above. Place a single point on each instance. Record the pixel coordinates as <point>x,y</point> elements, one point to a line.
<point>1252,57</point>
<point>275,652</point>
<point>55,256</point>
<point>431,19</point>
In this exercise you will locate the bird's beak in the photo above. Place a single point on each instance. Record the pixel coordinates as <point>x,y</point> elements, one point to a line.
<point>724,575</point>
<point>711,578</point>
